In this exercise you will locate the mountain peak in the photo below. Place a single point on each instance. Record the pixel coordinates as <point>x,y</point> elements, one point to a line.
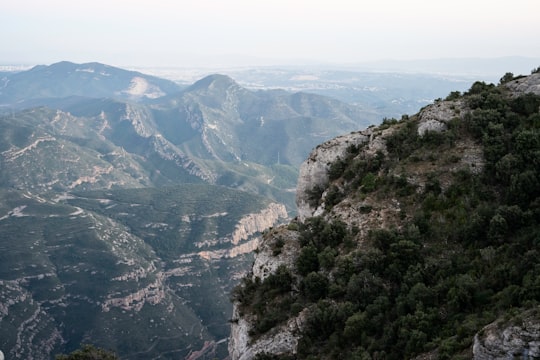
<point>214,81</point>
<point>91,79</point>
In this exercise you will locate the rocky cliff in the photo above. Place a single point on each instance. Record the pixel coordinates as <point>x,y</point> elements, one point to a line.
<point>386,180</point>
<point>517,337</point>
<point>283,339</point>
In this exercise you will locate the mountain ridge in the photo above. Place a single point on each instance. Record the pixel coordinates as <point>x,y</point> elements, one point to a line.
<point>402,234</point>
<point>89,79</point>
<point>215,131</point>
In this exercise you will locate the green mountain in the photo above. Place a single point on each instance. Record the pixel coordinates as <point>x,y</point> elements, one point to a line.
<point>236,123</point>
<point>415,239</point>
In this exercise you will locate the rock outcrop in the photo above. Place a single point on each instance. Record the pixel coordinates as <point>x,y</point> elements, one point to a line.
<point>436,116</point>
<point>314,171</point>
<point>516,338</point>
<point>282,339</point>
<point>258,222</point>
<point>524,85</point>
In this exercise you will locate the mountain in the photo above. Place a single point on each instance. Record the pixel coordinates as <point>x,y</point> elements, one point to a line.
<point>389,93</point>
<point>214,131</point>
<point>414,239</point>
<point>126,219</point>
<point>94,80</point>
<point>235,123</point>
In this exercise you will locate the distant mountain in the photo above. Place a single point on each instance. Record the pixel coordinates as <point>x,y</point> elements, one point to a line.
<point>214,131</point>
<point>389,93</point>
<point>95,80</point>
<point>235,123</point>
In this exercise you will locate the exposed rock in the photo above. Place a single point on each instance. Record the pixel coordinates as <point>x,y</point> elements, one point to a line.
<point>140,87</point>
<point>137,116</point>
<point>254,223</point>
<point>518,337</point>
<point>245,248</point>
<point>168,151</point>
<point>152,294</point>
<point>528,84</point>
<point>266,262</point>
<point>435,117</point>
<point>284,338</point>
<point>314,171</point>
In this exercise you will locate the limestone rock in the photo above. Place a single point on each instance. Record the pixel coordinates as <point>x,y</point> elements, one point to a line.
<point>528,84</point>
<point>314,171</point>
<point>434,117</point>
<point>253,223</point>
<point>518,337</point>
<point>282,339</point>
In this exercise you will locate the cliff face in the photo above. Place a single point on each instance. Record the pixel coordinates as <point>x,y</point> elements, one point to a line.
<point>313,173</point>
<point>379,179</point>
<point>282,339</point>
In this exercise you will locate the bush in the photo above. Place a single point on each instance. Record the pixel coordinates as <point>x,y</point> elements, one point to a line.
<point>308,260</point>
<point>89,352</point>
<point>314,286</point>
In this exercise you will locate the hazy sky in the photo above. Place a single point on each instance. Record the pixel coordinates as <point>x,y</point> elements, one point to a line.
<point>226,32</point>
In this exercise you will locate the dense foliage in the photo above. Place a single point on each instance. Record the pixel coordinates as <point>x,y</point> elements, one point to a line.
<point>465,254</point>
<point>89,352</point>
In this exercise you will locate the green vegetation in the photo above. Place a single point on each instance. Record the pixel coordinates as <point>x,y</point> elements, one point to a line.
<point>89,352</point>
<point>465,252</point>
<point>85,244</point>
<point>201,203</point>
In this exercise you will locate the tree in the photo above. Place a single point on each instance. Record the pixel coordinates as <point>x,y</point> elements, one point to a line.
<point>506,78</point>
<point>308,260</point>
<point>315,286</point>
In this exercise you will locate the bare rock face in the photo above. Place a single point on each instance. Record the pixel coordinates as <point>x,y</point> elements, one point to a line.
<point>435,117</point>
<point>528,84</point>
<point>517,338</point>
<point>258,222</point>
<point>282,339</point>
<point>314,171</point>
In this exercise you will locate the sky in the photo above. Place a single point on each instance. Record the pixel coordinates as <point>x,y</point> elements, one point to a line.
<point>201,33</point>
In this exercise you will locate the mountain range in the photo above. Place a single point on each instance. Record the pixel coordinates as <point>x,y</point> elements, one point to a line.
<point>131,205</point>
<point>214,131</point>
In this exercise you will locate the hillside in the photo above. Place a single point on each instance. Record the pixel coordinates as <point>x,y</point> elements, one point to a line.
<point>145,272</point>
<point>417,238</point>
